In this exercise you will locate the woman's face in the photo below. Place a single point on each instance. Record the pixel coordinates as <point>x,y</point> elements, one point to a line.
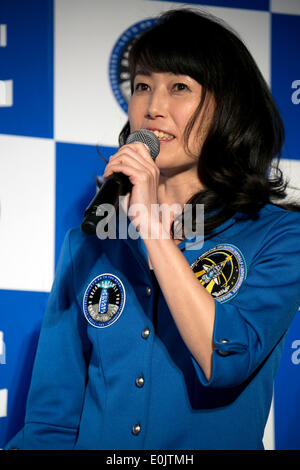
<point>164,103</point>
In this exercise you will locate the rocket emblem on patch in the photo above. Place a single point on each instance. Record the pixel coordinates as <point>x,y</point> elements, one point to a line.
<point>221,270</point>
<point>104,300</point>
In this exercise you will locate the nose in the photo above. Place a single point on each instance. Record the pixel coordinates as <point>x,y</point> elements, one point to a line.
<point>157,105</point>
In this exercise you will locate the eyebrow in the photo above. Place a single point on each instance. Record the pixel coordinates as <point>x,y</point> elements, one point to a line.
<point>145,73</point>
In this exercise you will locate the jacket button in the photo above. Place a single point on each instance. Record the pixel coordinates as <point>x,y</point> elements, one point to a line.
<point>148,291</point>
<point>220,351</point>
<point>136,429</point>
<point>145,333</point>
<point>139,381</point>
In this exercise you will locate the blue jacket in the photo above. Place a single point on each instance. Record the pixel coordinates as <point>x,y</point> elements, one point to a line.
<point>111,370</point>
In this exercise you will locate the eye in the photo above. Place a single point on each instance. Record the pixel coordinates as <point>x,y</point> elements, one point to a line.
<point>141,87</point>
<point>180,87</point>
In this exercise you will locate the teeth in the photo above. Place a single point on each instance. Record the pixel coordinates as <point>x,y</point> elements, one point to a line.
<point>163,135</point>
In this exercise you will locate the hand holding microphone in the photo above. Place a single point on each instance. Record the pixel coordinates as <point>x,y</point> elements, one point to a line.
<point>118,184</point>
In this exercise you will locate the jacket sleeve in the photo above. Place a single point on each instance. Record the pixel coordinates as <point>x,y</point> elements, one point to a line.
<point>249,326</point>
<point>56,393</point>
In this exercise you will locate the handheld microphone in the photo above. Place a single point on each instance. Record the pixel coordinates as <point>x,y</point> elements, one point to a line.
<point>117,184</point>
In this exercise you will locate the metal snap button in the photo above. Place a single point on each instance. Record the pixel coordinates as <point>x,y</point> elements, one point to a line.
<point>148,291</point>
<point>139,381</point>
<point>145,333</point>
<point>136,429</point>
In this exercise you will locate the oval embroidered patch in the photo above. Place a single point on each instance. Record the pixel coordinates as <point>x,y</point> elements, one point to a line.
<point>104,300</point>
<point>221,270</point>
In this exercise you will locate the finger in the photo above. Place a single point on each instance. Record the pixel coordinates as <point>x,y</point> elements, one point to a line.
<point>135,174</point>
<point>139,173</point>
<point>128,156</point>
<point>137,150</point>
<point>131,158</point>
<point>124,203</point>
<point>123,160</point>
<point>142,150</point>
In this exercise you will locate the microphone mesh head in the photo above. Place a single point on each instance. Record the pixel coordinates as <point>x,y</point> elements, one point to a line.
<point>146,137</point>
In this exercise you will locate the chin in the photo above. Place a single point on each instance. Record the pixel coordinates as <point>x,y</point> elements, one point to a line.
<point>168,164</point>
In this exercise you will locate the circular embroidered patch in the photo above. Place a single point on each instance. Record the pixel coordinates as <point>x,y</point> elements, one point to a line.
<point>104,300</point>
<point>221,270</point>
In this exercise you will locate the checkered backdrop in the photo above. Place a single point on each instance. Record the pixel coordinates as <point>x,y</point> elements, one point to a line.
<point>63,88</point>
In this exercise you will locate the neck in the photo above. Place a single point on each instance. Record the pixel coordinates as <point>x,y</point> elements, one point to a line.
<point>178,189</point>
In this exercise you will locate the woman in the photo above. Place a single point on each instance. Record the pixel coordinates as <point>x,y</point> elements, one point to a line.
<point>147,344</point>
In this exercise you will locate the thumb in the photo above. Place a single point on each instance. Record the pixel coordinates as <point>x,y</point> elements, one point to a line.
<point>124,203</point>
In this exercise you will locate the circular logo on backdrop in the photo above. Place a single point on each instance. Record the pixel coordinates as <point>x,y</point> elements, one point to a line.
<point>119,65</point>
<point>104,300</point>
<point>221,271</point>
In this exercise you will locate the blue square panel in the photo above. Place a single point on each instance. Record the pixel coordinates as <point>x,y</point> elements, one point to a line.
<point>21,317</point>
<point>26,61</point>
<point>286,77</point>
<point>245,4</point>
<point>77,166</point>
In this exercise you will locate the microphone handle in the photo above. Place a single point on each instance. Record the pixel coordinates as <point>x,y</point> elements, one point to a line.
<point>116,185</point>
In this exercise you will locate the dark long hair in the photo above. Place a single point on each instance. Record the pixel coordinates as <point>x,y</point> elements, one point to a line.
<point>246,134</point>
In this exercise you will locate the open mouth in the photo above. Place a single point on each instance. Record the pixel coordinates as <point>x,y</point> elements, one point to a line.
<point>163,136</point>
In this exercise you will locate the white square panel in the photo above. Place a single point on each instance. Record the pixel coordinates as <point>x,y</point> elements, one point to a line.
<point>291,7</point>
<point>27,198</point>
<point>3,403</point>
<point>86,110</point>
<point>269,434</point>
